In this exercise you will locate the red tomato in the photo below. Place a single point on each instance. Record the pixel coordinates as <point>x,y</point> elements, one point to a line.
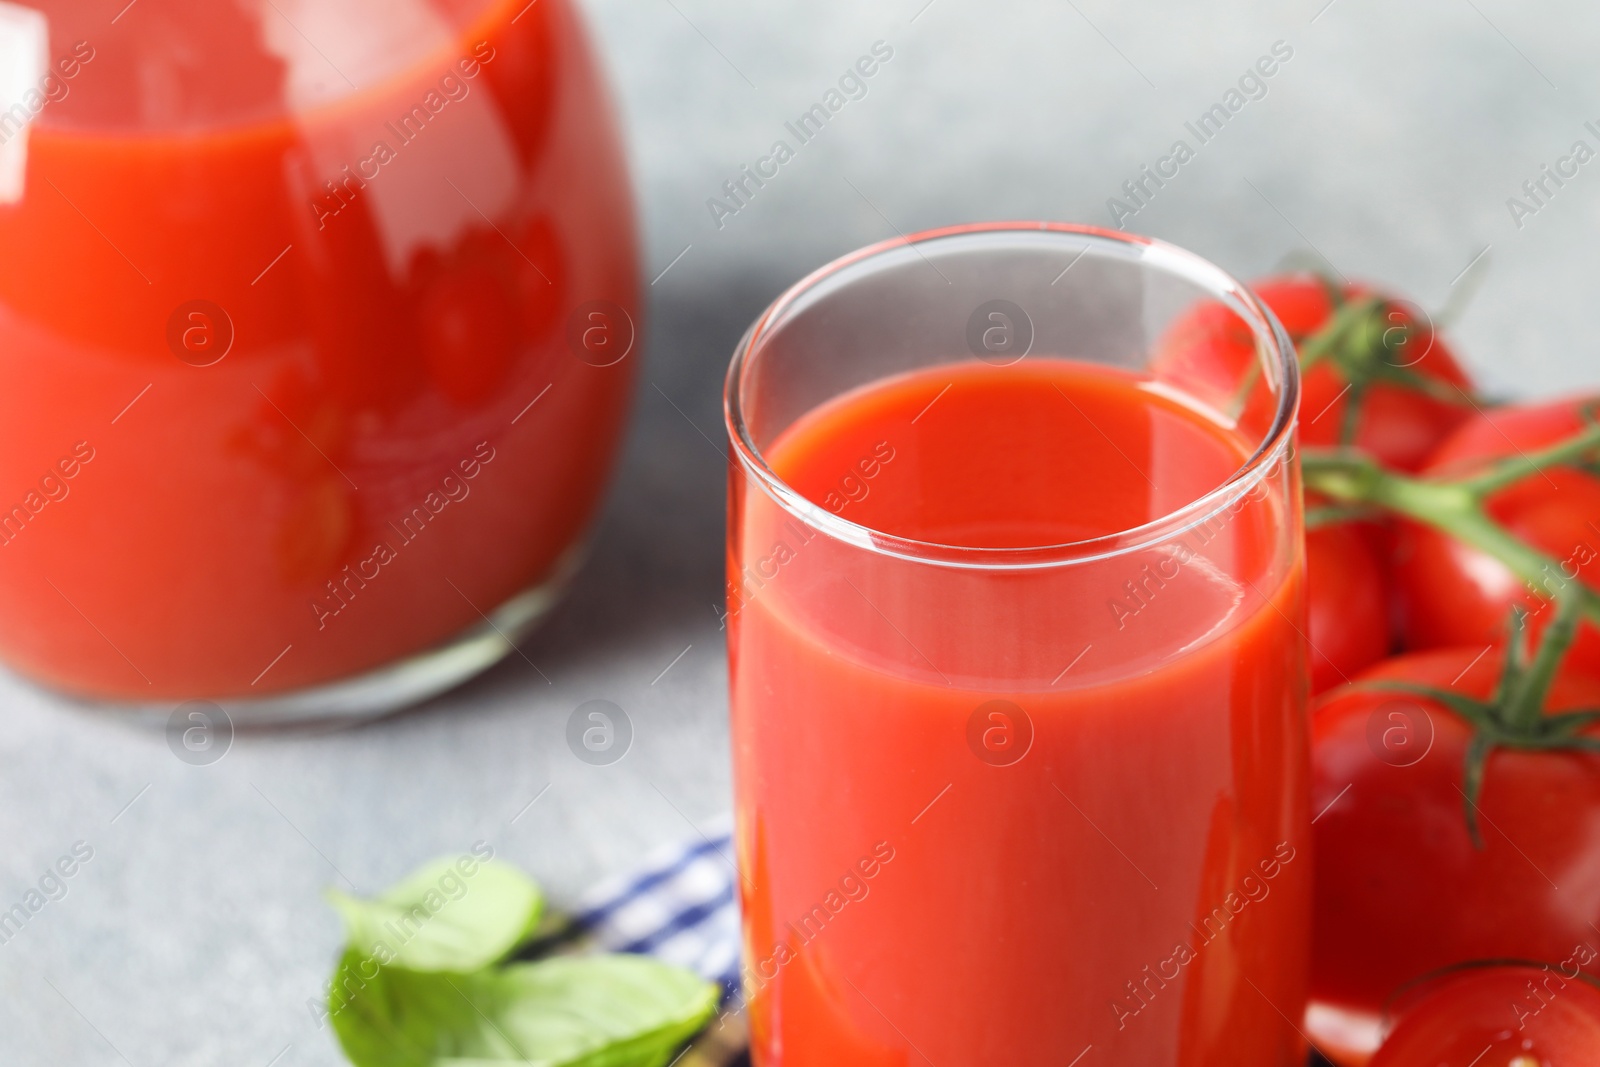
<point>1210,352</point>
<point>1521,1016</point>
<point>1347,601</point>
<point>1450,594</point>
<point>1401,891</point>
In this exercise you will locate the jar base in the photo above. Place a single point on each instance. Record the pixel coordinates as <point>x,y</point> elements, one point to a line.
<point>392,687</point>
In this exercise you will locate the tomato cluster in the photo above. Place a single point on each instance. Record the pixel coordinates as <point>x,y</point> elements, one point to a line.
<point>1453,577</point>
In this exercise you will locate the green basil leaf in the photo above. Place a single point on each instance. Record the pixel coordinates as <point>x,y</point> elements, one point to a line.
<point>387,1017</point>
<point>455,915</point>
<point>595,1011</point>
<point>598,1011</point>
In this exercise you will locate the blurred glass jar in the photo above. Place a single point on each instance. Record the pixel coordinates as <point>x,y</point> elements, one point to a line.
<point>315,332</point>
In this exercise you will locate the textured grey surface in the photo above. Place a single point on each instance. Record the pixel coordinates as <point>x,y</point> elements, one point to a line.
<point>1389,142</point>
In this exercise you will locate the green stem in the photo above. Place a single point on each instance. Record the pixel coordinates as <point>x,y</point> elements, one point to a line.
<point>1354,337</point>
<point>1516,657</point>
<point>1453,507</point>
<point>1515,468</point>
<point>1332,514</point>
<point>1352,412</point>
<point>1476,765</point>
<point>1435,388</point>
<point>1524,703</point>
<point>1327,339</point>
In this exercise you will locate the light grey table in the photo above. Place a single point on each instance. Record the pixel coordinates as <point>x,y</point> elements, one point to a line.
<point>1389,142</point>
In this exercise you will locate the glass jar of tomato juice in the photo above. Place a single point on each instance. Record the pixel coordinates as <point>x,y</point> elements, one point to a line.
<point>315,319</point>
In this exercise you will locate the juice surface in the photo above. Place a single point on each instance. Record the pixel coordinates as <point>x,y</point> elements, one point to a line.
<point>994,816</point>
<point>288,387</point>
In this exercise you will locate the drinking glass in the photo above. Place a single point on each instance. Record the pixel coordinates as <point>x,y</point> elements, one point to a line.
<point>1018,673</point>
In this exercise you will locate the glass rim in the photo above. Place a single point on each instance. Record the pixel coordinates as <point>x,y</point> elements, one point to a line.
<point>1274,447</point>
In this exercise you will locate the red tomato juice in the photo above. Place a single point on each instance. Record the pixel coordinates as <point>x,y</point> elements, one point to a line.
<point>394,210</point>
<point>993,816</point>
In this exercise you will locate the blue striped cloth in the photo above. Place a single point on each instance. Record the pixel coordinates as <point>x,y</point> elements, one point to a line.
<point>679,905</point>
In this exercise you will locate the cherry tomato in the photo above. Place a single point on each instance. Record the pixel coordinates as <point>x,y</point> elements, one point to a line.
<point>1347,601</point>
<point>1401,889</point>
<point>1510,1016</point>
<point>1211,353</point>
<point>1450,594</point>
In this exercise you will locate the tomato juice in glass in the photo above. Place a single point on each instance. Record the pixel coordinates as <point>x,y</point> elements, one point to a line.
<point>313,326</point>
<point>1018,676</point>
